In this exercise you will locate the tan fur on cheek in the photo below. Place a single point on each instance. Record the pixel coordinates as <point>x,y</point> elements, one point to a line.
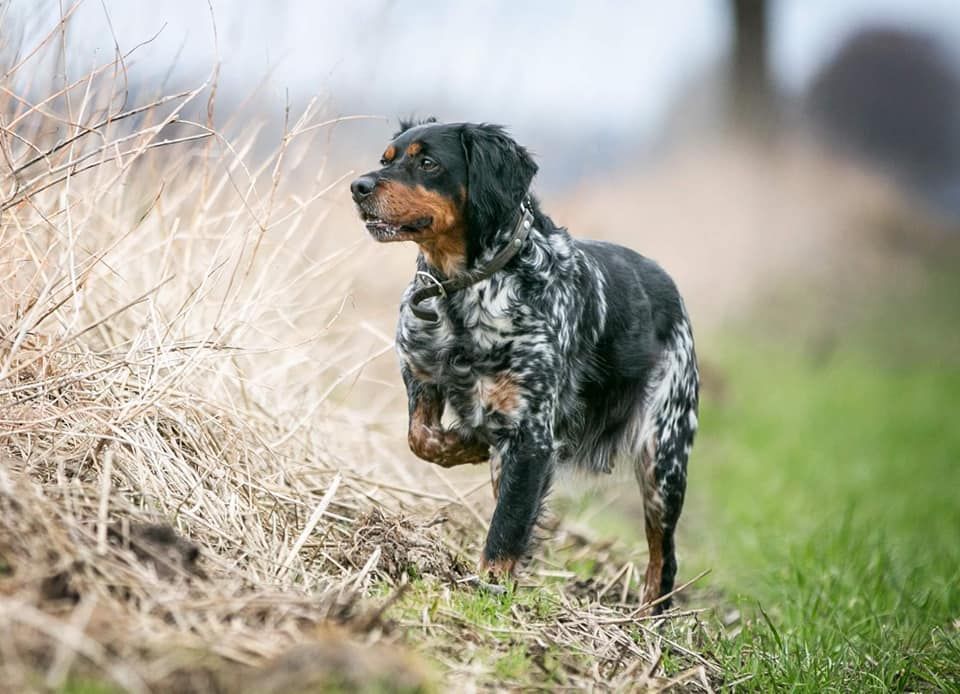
<point>402,204</point>
<point>444,242</point>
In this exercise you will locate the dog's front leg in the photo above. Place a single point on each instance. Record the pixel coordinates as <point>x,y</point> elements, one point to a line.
<point>426,436</point>
<point>526,466</point>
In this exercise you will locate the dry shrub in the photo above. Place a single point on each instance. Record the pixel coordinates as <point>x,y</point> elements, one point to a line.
<point>170,482</point>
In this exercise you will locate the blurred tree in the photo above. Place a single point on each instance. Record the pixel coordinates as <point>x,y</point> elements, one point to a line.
<point>893,97</point>
<point>751,94</point>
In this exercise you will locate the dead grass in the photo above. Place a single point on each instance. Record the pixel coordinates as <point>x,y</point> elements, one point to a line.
<point>185,502</point>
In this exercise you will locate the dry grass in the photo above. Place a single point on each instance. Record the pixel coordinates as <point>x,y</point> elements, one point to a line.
<point>185,501</point>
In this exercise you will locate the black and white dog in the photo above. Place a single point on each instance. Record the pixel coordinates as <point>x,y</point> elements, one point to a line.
<point>549,350</point>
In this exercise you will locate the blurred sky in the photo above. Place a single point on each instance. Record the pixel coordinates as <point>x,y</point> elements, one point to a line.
<point>591,83</point>
<point>568,64</point>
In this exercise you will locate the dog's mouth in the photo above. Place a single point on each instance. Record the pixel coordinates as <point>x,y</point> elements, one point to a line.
<point>383,230</point>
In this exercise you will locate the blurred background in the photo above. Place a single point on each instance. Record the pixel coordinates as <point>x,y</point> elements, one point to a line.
<point>794,164</point>
<point>738,142</point>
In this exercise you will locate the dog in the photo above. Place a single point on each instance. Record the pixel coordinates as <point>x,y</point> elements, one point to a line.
<point>550,351</point>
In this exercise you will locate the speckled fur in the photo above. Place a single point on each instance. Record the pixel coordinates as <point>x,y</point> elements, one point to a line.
<point>577,353</point>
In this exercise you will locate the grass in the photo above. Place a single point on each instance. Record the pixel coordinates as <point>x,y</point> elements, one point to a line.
<point>539,631</point>
<point>82,686</point>
<point>831,484</point>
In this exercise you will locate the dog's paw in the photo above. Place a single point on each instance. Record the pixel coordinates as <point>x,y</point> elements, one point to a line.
<point>500,568</point>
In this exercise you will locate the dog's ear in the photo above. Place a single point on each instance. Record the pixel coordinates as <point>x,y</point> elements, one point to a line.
<point>499,172</point>
<point>407,123</point>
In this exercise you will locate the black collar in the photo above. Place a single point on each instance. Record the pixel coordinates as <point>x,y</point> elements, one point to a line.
<point>438,288</point>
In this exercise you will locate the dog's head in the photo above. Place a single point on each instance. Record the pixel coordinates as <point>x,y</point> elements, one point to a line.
<point>449,187</point>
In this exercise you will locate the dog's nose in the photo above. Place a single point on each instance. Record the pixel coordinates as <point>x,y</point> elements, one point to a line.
<point>362,187</point>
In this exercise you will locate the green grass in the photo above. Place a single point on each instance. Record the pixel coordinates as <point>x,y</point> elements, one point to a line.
<point>481,631</point>
<point>513,665</point>
<point>828,500</point>
<point>88,686</point>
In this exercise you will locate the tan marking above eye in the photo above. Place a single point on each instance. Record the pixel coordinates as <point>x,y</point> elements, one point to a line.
<point>414,149</point>
<point>389,153</point>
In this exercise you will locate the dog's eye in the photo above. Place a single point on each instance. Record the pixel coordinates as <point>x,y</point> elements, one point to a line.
<point>383,161</point>
<point>428,164</point>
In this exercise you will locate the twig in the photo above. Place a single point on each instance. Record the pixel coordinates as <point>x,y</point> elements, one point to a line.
<point>311,524</point>
<point>106,475</point>
<point>475,580</point>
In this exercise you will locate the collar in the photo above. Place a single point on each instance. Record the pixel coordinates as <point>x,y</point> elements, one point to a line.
<point>437,288</point>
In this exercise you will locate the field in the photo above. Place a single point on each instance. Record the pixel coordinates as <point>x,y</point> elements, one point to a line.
<point>203,477</point>
<point>830,487</point>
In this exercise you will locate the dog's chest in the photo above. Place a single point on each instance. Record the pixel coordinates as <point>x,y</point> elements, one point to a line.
<point>469,350</point>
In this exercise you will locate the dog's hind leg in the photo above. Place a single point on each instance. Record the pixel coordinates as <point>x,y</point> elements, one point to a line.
<point>661,467</point>
<point>663,482</point>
